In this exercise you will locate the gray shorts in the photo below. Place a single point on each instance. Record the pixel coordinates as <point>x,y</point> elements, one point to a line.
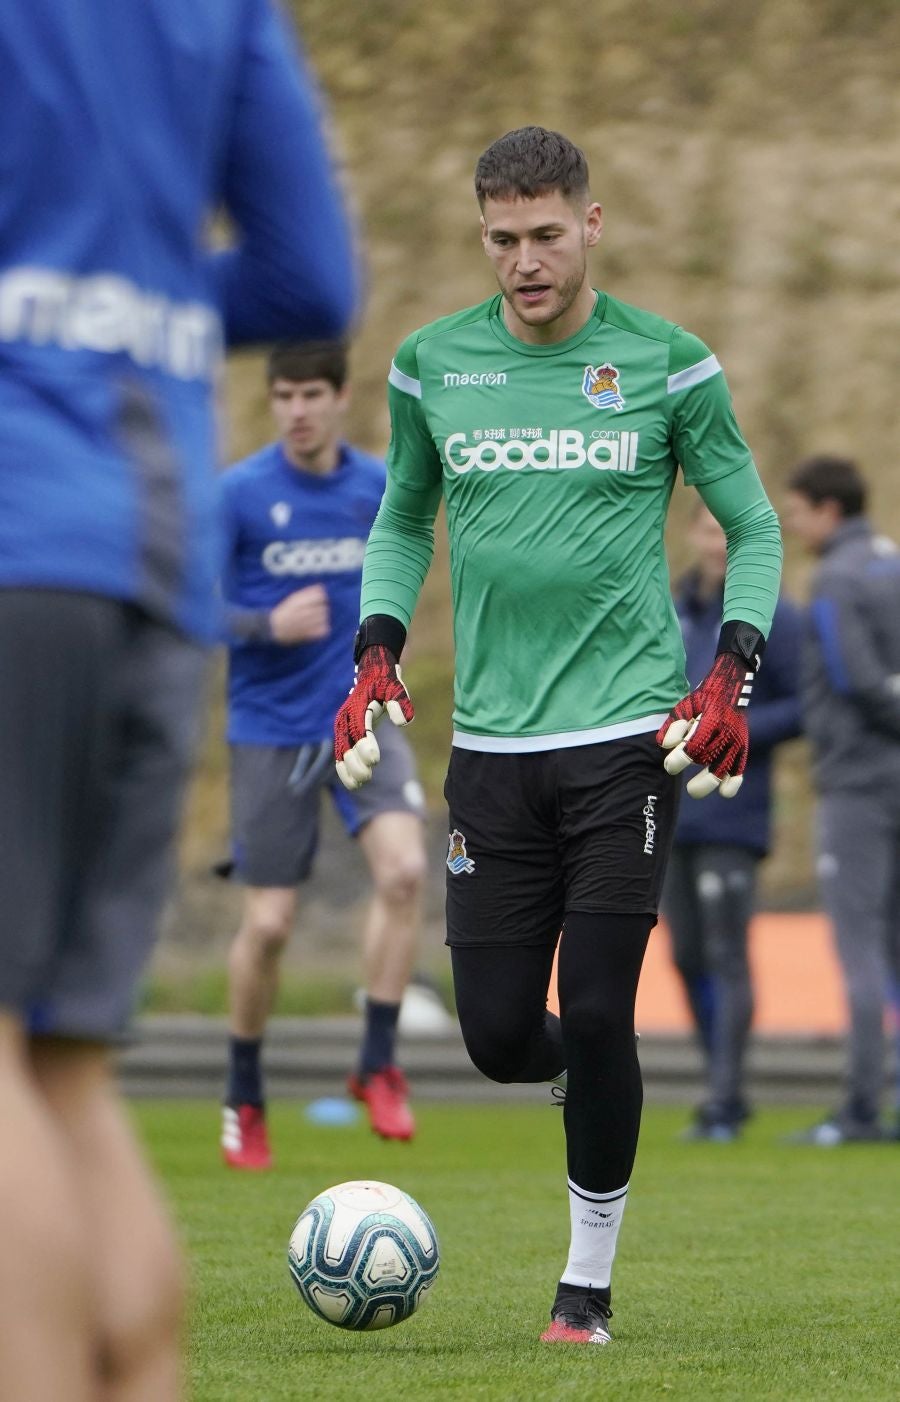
<point>275,793</point>
<point>97,731</point>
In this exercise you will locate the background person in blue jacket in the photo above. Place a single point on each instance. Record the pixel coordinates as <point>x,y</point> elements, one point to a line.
<point>710,889</point>
<point>134,121</point>
<point>851,705</point>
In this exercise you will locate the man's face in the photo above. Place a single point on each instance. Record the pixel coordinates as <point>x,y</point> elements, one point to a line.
<point>538,248</point>
<point>308,414</point>
<point>813,523</point>
<point>707,540</point>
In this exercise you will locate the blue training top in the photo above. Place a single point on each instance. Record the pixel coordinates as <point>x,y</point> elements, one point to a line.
<point>127,123</point>
<point>287,529</point>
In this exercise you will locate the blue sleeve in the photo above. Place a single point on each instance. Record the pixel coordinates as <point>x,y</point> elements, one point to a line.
<point>237,622</point>
<point>854,664</point>
<point>230,533</point>
<point>776,714</point>
<point>292,273</point>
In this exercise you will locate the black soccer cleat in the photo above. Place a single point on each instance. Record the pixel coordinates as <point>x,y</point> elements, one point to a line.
<point>578,1316</point>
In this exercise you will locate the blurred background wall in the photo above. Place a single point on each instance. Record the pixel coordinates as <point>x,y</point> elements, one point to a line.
<point>748,161</point>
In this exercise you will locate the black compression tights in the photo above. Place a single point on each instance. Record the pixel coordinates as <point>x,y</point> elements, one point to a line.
<point>501,997</point>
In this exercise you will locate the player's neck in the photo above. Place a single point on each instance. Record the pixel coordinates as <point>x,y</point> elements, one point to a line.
<point>569,323</point>
<point>321,462</point>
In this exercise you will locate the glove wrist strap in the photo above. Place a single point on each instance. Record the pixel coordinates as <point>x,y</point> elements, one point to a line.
<point>379,628</point>
<point>743,639</point>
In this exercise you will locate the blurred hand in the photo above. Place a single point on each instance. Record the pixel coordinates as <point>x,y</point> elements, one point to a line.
<point>303,617</point>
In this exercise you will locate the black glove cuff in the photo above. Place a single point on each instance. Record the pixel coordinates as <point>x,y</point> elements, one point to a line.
<point>380,628</point>
<point>742,638</point>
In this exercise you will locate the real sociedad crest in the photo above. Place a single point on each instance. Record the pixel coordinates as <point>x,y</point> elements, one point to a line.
<point>600,387</point>
<point>457,860</point>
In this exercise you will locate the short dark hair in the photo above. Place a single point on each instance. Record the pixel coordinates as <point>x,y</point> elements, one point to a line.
<point>528,162</point>
<point>308,360</point>
<point>827,478</point>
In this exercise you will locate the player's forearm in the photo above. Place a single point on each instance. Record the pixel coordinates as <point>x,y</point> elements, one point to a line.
<point>246,625</point>
<point>399,552</point>
<point>851,658</point>
<point>753,574</point>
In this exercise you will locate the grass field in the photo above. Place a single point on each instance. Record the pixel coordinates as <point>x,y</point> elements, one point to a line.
<point>750,1271</point>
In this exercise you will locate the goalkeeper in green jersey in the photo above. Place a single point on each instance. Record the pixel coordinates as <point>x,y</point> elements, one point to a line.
<point>552,419</point>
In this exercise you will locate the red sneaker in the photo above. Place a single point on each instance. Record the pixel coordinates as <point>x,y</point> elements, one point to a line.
<point>386,1096</point>
<point>245,1143</point>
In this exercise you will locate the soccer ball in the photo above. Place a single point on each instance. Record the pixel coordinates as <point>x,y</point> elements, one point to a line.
<point>363,1255</point>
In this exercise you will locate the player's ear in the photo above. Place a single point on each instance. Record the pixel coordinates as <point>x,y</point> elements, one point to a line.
<point>484,232</point>
<point>593,223</point>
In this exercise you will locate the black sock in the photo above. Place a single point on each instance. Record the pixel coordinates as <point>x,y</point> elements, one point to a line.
<point>377,1050</point>
<point>244,1072</point>
<point>597,1292</point>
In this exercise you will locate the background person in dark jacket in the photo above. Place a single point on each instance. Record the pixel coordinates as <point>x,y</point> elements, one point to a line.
<point>851,702</point>
<point>710,888</point>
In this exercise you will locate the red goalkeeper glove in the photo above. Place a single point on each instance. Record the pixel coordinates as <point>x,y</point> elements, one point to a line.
<point>709,726</point>
<point>377,687</point>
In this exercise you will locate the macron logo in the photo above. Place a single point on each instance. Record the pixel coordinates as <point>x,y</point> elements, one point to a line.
<point>649,812</point>
<point>483,377</point>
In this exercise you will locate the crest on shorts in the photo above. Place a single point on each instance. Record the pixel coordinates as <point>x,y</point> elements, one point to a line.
<point>457,861</point>
<point>281,514</point>
<point>600,387</point>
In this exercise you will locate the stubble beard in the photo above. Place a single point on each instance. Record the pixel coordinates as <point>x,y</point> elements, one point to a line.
<point>564,299</point>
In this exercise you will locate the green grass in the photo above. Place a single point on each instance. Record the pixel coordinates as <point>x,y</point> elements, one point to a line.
<point>300,994</point>
<point>205,990</point>
<point>749,1271</point>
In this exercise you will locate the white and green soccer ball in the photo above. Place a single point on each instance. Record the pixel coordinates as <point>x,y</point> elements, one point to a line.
<point>363,1255</point>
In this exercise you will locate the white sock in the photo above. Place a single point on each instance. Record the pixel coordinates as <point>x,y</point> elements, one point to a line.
<point>596,1218</point>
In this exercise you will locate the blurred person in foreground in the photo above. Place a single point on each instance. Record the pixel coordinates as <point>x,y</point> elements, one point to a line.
<point>709,894</point>
<point>135,120</point>
<point>297,517</point>
<point>552,420</point>
<point>851,704</point>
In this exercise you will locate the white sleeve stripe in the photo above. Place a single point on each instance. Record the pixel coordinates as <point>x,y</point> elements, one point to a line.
<point>405,382</point>
<point>694,374</point>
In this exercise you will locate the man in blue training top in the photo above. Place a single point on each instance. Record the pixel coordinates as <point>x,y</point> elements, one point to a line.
<point>135,120</point>
<point>297,517</point>
<point>710,889</point>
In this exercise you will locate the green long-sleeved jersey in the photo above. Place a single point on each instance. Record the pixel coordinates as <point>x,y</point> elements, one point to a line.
<point>556,464</point>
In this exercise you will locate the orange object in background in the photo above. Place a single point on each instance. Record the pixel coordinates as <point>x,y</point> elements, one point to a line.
<point>796,979</point>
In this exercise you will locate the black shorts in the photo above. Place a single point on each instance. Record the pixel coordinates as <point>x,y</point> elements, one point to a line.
<point>97,731</point>
<point>533,836</point>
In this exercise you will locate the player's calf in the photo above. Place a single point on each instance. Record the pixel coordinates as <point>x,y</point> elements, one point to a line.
<point>139,1352</point>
